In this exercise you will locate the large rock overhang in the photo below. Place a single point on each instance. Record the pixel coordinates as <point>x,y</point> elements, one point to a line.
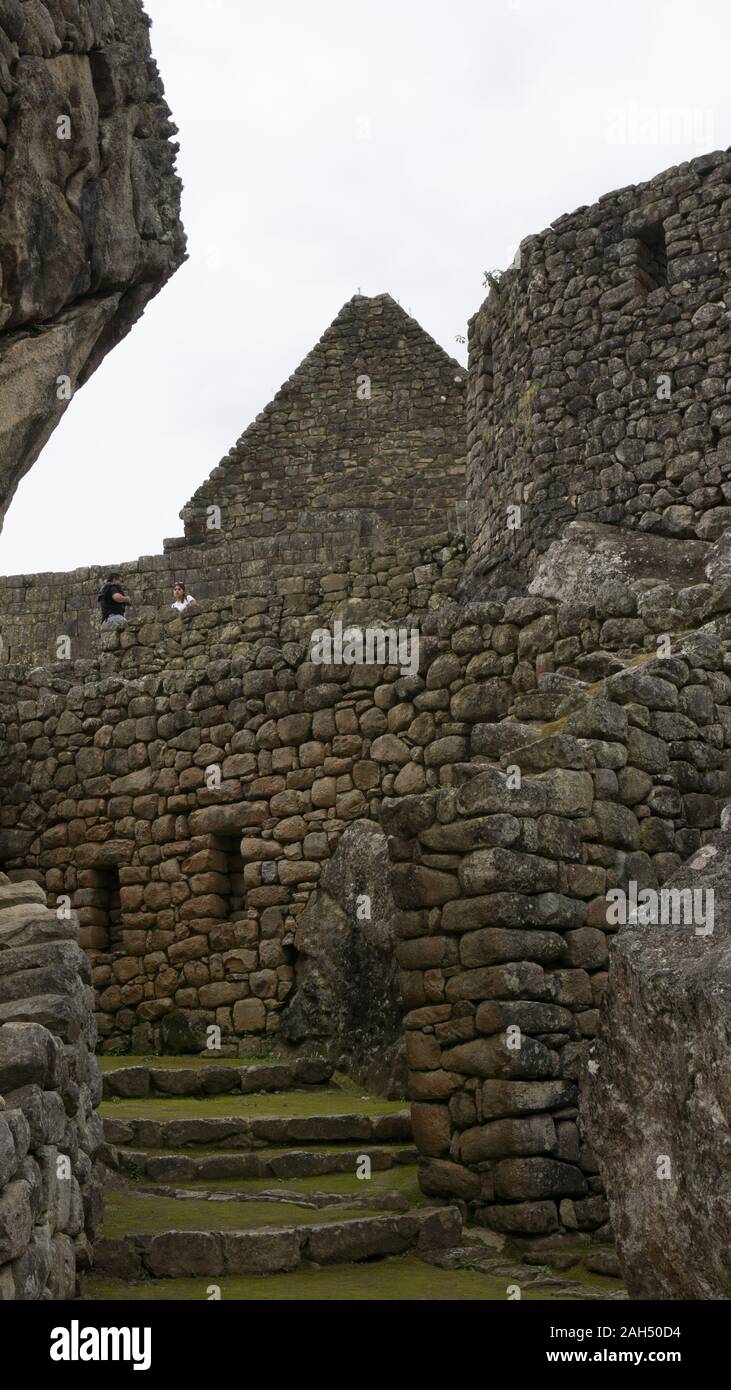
<point>90,224</point>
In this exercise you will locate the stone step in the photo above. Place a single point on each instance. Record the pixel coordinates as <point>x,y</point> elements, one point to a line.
<point>395,1278</point>
<point>211,1253</point>
<point>242,1132</point>
<point>147,1080</point>
<point>257,1164</point>
<point>381,1200</point>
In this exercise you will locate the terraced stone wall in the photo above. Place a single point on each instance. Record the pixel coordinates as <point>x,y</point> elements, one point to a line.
<point>598,375</point>
<point>50,1086</point>
<point>502,879</point>
<point>275,584</point>
<point>192,890</point>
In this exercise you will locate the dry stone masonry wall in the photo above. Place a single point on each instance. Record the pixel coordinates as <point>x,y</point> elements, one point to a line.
<point>360,455</point>
<point>193,894</point>
<point>50,1086</point>
<point>276,593</point>
<point>214,803</point>
<point>367,438</point>
<point>599,372</point>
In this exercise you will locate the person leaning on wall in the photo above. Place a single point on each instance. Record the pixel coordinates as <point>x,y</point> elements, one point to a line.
<point>181,598</point>
<point>114,601</point>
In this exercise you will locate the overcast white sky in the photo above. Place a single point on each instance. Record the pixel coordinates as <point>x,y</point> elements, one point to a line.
<point>327,147</point>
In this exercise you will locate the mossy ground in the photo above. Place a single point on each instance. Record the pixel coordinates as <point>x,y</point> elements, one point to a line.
<point>156,1215</point>
<point>183,1063</point>
<point>404,1277</point>
<point>354,1146</point>
<point>284,1104</point>
<point>402,1179</point>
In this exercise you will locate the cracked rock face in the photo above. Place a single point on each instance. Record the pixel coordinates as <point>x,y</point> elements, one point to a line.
<point>657,1093</point>
<point>89,205</point>
<point>347,995</point>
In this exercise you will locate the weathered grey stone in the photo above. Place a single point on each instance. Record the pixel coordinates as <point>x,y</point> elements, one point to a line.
<point>530,1179</point>
<point>107,215</point>
<point>184,1254</point>
<point>491,1057</point>
<point>16,1220</point>
<point>485,870</point>
<point>496,944</point>
<point>590,554</point>
<point>567,793</point>
<point>503,1098</point>
<point>533,1135</point>
<point>654,1093</point>
<point>491,791</point>
<point>27,1056</point>
<point>347,992</point>
<point>261,1252</point>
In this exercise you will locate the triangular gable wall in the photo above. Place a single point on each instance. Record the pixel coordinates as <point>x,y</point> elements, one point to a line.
<point>367,438</point>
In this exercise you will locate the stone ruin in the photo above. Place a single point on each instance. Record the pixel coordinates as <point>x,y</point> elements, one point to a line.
<point>204,804</point>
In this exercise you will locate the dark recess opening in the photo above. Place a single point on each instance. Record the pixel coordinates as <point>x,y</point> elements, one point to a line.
<point>108,900</point>
<point>229,846</point>
<point>653,258</point>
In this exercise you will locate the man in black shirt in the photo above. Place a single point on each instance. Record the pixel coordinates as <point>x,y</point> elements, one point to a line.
<point>113,600</point>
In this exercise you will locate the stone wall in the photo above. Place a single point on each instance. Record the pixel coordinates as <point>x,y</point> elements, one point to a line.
<point>598,378</point>
<point>193,893</point>
<point>50,1086</point>
<point>367,437</point>
<point>89,205</point>
<point>272,583</point>
<point>105,773</point>
<point>502,881</point>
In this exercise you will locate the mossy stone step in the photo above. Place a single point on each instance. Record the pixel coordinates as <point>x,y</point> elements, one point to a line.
<point>242,1132</point>
<point>149,1081</point>
<point>329,1100</point>
<point>395,1279</point>
<point>401,1179</point>
<point>259,1163</point>
<point>144,1214</point>
<point>113,1062</point>
<point>380,1199</point>
<point>213,1253</point>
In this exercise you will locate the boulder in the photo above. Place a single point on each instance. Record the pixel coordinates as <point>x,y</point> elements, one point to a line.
<point>346,994</point>
<point>656,1091</point>
<point>89,218</point>
<point>577,567</point>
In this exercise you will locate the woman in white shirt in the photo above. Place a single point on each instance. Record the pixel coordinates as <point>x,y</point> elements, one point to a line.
<point>181,599</point>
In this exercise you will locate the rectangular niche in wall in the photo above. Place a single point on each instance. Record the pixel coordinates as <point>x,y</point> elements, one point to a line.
<point>232,870</point>
<point>643,251</point>
<point>652,257</point>
<point>111,906</point>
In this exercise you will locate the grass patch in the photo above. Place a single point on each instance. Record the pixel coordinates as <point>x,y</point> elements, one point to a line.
<point>183,1063</point>
<point>403,1277</point>
<point>402,1179</point>
<point>309,1146</point>
<point>126,1216</point>
<point>323,1101</point>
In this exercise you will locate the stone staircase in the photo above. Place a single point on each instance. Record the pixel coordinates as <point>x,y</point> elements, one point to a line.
<point>277,1180</point>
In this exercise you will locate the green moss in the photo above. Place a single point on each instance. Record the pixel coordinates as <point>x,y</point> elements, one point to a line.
<point>403,1278</point>
<point>354,1146</point>
<point>286,1104</point>
<point>402,1179</point>
<point>579,1274</point>
<point>174,1063</point>
<point>126,1216</point>
<point>555,727</point>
